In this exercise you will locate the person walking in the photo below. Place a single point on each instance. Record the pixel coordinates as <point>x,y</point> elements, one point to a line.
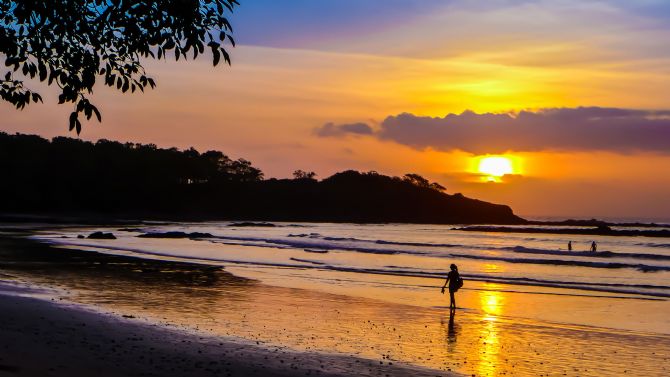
<point>569,245</point>
<point>594,247</point>
<point>455,282</point>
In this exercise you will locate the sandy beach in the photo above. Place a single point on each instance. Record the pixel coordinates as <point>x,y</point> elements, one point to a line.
<point>43,335</point>
<point>39,338</point>
<point>88,312</point>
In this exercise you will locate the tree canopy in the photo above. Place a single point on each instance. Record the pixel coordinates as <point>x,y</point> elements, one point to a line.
<point>73,43</point>
<point>69,176</point>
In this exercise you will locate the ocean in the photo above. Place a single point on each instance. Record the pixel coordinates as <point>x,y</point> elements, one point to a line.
<point>528,306</point>
<point>406,264</point>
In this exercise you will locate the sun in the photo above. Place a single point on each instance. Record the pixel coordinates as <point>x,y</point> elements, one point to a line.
<point>495,167</point>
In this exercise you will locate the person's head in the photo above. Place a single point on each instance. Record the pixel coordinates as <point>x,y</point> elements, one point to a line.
<point>453,267</point>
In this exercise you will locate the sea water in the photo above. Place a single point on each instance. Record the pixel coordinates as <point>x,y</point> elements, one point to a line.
<point>528,307</point>
<point>411,260</point>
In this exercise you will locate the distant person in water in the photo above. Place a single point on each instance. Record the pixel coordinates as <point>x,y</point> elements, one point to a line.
<point>569,245</point>
<point>455,282</point>
<point>594,247</point>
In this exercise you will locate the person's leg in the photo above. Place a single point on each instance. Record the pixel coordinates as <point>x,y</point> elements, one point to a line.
<point>452,304</point>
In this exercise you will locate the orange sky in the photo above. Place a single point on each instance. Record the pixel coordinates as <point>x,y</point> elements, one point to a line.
<point>510,57</point>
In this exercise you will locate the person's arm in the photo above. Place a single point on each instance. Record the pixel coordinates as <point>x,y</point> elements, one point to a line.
<point>445,284</point>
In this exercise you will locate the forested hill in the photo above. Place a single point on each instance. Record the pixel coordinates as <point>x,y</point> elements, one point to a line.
<point>107,178</point>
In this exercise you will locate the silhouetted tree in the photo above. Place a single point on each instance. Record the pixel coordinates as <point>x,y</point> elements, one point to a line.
<point>70,176</point>
<point>420,181</point>
<point>70,43</point>
<point>301,174</point>
<point>437,187</point>
<point>416,180</point>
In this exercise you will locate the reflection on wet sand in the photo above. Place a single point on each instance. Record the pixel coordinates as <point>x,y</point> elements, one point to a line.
<point>481,342</point>
<point>492,305</point>
<point>453,330</point>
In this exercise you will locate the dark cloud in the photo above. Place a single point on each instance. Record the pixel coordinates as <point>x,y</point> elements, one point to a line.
<point>331,129</point>
<point>563,129</point>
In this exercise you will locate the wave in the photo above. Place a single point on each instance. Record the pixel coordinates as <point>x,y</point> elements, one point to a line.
<point>649,244</point>
<point>343,239</point>
<point>304,235</point>
<point>419,244</point>
<point>378,242</point>
<point>317,251</point>
<point>619,288</point>
<point>516,249</point>
<point>322,247</point>
<point>325,247</point>
<point>308,261</point>
<point>563,262</point>
<point>572,283</point>
<point>599,254</point>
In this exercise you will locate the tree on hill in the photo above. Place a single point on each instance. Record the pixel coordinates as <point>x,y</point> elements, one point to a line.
<point>420,181</point>
<point>73,43</point>
<point>301,174</point>
<point>70,176</point>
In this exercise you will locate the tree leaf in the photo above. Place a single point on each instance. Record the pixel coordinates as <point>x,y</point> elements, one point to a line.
<point>73,120</point>
<point>71,43</point>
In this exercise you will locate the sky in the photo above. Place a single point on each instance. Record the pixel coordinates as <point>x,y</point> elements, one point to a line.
<point>574,93</point>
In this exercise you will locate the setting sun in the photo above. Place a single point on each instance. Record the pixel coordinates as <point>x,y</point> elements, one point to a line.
<point>495,167</point>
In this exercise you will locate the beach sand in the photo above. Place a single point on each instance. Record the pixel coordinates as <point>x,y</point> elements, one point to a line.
<point>39,338</point>
<point>43,335</point>
<point>185,311</point>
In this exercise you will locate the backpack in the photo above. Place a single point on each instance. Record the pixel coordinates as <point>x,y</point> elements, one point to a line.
<point>459,283</point>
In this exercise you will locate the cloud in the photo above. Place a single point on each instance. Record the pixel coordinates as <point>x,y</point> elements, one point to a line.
<point>332,129</point>
<point>560,129</point>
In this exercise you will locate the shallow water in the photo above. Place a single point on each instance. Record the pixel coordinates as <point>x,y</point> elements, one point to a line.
<point>375,293</point>
<point>630,266</point>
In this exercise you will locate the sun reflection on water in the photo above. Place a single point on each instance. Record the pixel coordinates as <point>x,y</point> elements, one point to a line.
<point>492,304</point>
<point>491,300</point>
<point>493,268</point>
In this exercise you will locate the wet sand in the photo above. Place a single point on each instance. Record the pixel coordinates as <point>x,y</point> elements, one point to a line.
<point>38,338</point>
<point>43,335</point>
<point>211,302</point>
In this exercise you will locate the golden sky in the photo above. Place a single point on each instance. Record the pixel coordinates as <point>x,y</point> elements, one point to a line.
<point>428,61</point>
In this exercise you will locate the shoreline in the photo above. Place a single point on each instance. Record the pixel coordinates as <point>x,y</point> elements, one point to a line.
<point>597,231</point>
<point>43,335</point>
<point>93,219</point>
<point>236,307</point>
<point>43,338</point>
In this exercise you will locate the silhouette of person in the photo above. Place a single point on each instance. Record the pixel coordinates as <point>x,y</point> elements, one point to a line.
<point>594,247</point>
<point>569,245</point>
<point>453,278</point>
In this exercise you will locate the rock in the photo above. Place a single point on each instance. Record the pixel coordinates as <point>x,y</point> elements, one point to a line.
<point>316,251</point>
<point>101,236</point>
<point>251,224</point>
<point>176,235</point>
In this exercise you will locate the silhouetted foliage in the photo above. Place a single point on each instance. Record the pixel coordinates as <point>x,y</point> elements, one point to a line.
<point>301,174</point>
<point>70,43</point>
<point>69,176</point>
<point>438,187</point>
<point>420,181</point>
<point>417,180</point>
